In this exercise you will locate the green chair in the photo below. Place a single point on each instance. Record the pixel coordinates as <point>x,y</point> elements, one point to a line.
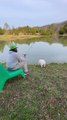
<point>7,74</point>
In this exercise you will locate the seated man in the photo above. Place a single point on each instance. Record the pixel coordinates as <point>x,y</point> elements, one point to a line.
<point>15,61</point>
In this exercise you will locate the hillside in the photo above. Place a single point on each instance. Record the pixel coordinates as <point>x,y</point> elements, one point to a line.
<point>48,30</point>
<point>56,28</point>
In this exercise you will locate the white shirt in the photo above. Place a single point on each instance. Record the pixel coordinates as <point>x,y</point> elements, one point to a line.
<point>13,59</point>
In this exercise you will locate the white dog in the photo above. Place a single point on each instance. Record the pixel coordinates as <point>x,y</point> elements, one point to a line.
<point>42,62</point>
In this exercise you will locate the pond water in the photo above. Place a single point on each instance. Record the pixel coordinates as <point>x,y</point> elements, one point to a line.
<point>54,52</point>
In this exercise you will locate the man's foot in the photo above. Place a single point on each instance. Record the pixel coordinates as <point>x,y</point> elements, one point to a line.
<point>26,73</point>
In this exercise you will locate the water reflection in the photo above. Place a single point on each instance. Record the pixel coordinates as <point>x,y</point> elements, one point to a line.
<point>52,53</point>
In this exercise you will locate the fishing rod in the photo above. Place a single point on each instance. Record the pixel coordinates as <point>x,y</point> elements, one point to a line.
<point>25,54</point>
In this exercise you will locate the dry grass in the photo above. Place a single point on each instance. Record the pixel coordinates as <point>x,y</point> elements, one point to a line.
<point>16,37</point>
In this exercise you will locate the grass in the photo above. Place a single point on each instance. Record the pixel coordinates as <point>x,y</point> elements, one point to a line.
<point>42,96</point>
<point>11,38</point>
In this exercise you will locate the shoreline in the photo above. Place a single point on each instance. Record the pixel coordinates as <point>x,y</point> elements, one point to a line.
<point>10,38</point>
<point>17,37</point>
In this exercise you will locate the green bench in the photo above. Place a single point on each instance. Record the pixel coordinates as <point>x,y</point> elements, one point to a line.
<point>7,74</point>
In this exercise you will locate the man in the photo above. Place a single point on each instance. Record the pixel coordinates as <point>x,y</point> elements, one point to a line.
<point>15,61</point>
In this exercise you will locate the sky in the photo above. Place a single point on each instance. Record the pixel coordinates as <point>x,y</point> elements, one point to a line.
<point>32,12</point>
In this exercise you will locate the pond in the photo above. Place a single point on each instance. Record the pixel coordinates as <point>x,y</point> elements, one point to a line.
<point>52,52</point>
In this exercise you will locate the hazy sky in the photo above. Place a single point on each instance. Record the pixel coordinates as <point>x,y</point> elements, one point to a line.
<point>32,12</point>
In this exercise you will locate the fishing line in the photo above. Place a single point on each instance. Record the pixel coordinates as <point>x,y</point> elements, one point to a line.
<point>29,49</point>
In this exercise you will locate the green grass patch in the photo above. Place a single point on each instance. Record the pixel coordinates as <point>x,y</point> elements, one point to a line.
<point>42,96</point>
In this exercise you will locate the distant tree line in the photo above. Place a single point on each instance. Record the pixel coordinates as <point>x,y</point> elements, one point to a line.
<point>26,30</point>
<point>63,30</point>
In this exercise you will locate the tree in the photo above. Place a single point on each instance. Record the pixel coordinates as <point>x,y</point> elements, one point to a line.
<point>1,31</point>
<point>6,26</point>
